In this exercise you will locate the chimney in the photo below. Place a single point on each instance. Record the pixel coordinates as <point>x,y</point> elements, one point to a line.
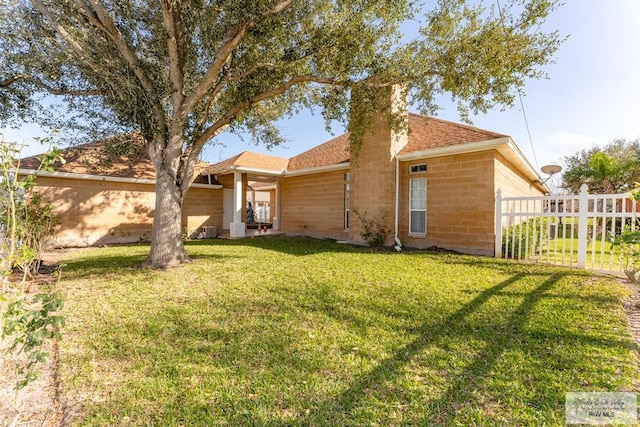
<point>372,170</point>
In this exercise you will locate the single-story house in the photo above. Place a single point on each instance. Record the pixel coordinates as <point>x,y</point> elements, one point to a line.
<point>433,185</point>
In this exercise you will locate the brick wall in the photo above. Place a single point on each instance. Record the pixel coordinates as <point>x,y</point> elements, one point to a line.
<point>511,181</point>
<point>101,212</point>
<point>313,205</point>
<point>373,172</point>
<point>272,206</point>
<point>460,203</point>
<point>373,180</point>
<point>202,207</point>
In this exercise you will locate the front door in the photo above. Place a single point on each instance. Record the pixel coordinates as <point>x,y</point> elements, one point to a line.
<point>227,208</point>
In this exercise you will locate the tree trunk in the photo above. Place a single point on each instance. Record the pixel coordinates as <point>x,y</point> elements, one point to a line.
<point>167,248</point>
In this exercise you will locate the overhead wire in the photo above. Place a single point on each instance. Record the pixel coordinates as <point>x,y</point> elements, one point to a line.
<point>524,113</point>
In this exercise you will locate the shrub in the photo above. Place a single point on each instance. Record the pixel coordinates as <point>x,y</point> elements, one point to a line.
<point>373,232</point>
<point>629,241</point>
<point>26,224</point>
<point>525,238</point>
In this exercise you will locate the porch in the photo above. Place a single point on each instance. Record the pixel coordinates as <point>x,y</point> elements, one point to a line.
<point>251,193</point>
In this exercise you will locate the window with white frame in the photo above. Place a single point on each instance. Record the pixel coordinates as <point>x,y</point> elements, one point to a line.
<point>346,201</point>
<point>418,205</point>
<point>418,168</point>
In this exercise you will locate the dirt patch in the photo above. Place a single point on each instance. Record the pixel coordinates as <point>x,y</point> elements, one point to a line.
<point>35,405</point>
<point>631,306</point>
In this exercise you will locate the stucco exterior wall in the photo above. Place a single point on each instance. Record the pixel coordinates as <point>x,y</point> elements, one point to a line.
<point>102,212</point>
<point>313,205</point>
<point>460,203</point>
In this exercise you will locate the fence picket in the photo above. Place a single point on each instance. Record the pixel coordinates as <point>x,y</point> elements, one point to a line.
<point>564,229</point>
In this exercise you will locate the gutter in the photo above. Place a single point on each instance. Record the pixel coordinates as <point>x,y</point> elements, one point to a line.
<point>101,178</point>
<point>505,146</point>
<point>454,149</point>
<point>318,169</point>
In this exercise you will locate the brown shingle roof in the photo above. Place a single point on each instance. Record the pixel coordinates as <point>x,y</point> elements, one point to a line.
<point>425,133</point>
<point>430,132</point>
<point>123,156</point>
<point>252,160</point>
<point>331,152</point>
<point>114,157</point>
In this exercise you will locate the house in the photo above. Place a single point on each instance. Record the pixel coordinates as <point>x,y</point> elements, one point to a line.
<point>433,184</point>
<point>104,193</point>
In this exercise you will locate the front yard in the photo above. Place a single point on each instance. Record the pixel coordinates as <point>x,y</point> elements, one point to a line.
<point>281,331</point>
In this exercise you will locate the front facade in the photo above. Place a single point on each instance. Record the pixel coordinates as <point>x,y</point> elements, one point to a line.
<point>433,185</point>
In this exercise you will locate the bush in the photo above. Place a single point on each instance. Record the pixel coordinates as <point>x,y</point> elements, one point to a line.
<point>524,239</point>
<point>629,241</point>
<point>36,226</point>
<point>373,232</point>
<point>26,224</point>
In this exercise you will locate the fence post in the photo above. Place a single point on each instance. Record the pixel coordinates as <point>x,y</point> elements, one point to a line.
<point>583,207</point>
<point>498,242</point>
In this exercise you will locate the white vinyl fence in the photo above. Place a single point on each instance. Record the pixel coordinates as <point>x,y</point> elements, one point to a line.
<point>569,230</point>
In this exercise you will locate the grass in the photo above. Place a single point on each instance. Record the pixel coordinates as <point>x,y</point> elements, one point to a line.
<point>283,331</point>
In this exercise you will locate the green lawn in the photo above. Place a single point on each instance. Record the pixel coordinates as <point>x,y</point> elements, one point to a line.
<point>281,331</point>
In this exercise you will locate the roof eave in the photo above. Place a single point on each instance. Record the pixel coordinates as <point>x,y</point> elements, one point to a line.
<point>318,169</point>
<point>103,178</point>
<point>259,171</point>
<point>504,145</point>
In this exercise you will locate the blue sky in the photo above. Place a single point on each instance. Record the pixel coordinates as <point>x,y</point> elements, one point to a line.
<point>592,95</point>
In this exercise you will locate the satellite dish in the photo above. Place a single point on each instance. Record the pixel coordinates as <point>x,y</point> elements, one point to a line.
<point>551,169</point>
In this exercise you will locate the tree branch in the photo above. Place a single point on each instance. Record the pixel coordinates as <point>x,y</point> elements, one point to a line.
<point>176,73</point>
<point>225,120</point>
<point>75,46</point>
<point>121,44</point>
<point>109,28</point>
<point>11,80</point>
<point>231,41</point>
<point>73,92</point>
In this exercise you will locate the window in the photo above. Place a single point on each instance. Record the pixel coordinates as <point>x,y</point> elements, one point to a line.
<point>418,205</point>
<point>347,177</point>
<point>346,206</point>
<point>418,168</point>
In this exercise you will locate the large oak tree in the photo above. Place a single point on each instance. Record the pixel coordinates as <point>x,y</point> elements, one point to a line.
<point>183,71</point>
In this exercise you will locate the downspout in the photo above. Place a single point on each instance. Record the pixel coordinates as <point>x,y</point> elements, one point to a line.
<point>398,245</point>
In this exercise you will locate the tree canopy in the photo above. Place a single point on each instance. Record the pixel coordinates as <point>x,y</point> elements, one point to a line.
<point>183,71</point>
<point>614,168</point>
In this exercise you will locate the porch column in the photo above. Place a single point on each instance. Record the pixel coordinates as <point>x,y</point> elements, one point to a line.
<point>237,227</point>
<point>276,218</point>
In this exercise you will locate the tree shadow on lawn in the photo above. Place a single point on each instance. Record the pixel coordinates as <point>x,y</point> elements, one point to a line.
<point>254,346</point>
<point>294,245</point>
<point>461,393</point>
<point>128,258</point>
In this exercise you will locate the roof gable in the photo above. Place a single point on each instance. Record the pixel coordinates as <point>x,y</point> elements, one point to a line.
<point>250,160</point>
<point>424,133</point>
<point>429,132</point>
<point>331,152</point>
<point>123,156</point>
